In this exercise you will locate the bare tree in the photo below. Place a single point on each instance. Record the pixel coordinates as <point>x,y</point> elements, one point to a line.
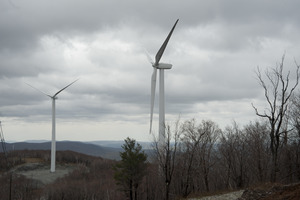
<point>192,135</point>
<point>277,93</point>
<point>166,155</point>
<point>232,149</point>
<point>207,148</point>
<point>196,156</point>
<point>257,147</point>
<point>295,115</point>
<point>295,123</point>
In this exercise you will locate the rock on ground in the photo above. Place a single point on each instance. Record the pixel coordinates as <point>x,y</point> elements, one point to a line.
<point>273,192</point>
<point>228,196</point>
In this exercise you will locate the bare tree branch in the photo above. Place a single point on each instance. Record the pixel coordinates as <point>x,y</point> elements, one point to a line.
<point>277,95</point>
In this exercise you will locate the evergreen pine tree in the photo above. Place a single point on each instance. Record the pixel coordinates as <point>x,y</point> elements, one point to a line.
<point>131,169</point>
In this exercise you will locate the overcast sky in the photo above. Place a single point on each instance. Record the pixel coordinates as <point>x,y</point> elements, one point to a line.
<point>215,50</point>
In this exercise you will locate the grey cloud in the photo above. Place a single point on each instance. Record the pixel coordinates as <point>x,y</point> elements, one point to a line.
<point>214,51</point>
<point>23,26</point>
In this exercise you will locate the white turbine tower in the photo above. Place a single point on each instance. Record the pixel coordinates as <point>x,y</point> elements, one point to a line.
<point>161,66</point>
<point>53,142</point>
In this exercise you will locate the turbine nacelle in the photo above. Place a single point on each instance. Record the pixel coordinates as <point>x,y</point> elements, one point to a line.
<point>163,66</point>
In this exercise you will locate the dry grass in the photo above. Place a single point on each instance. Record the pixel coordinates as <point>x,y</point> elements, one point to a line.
<point>33,160</point>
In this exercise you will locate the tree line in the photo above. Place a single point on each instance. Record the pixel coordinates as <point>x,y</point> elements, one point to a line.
<point>201,158</point>
<point>198,157</point>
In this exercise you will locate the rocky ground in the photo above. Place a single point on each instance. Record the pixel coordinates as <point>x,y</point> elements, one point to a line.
<point>273,192</point>
<point>263,192</point>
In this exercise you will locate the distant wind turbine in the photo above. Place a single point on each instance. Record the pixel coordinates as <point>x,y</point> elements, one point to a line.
<point>161,66</point>
<point>53,143</point>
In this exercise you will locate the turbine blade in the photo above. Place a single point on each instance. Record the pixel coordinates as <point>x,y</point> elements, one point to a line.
<point>39,90</point>
<point>153,86</point>
<point>163,47</point>
<point>64,88</point>
<point>149,57</point>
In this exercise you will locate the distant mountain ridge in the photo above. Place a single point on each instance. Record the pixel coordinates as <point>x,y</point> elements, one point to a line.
<point>80,147</point>
<point>119,143</point>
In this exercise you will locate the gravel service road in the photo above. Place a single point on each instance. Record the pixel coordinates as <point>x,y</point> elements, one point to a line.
<point>41,173</point>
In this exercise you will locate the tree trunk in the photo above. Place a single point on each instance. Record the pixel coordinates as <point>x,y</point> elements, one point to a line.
<point>274,166</point>
<point>135,193</point>
<point>130,190</point>
<point>274,151</point>
<point>260,171</point>
<point>167,191</point>
<point>205,175</point>
<point>298,160</point>
<point>206,182</point>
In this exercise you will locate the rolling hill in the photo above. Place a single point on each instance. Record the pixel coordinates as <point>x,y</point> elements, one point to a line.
<point>80,147</point>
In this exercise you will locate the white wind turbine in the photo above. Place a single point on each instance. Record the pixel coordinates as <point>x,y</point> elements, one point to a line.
<point>53,142</point>
<point>161,66</point>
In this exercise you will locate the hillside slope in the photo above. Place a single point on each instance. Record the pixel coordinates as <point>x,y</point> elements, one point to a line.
<point>80,147</point>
